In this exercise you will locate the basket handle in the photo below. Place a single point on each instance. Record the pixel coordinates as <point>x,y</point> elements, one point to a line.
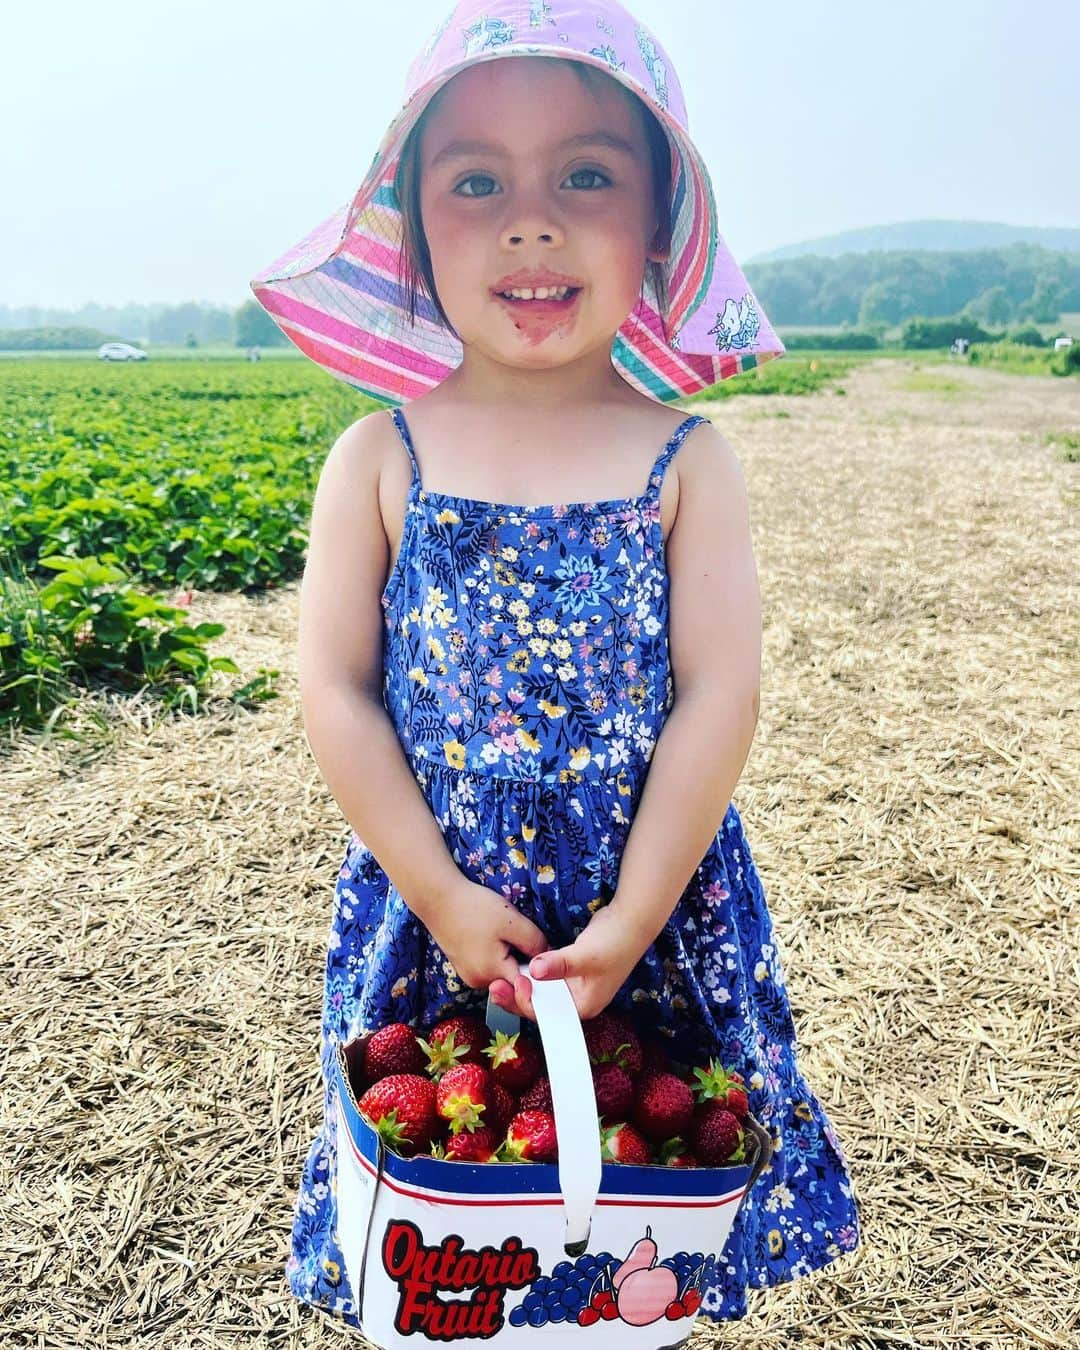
<point>573,1097</point>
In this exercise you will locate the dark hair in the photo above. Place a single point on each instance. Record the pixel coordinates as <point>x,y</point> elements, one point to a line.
<point>415,270</point>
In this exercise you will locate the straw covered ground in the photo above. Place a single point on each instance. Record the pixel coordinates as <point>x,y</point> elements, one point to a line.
<point>911,801</point>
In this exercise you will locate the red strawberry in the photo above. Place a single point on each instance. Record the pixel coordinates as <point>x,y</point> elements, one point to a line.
<point>716,1134</point>
<point>716,1084</point>
<point>654,1056</point>
<point>502,1110</point>
<point>610,1039</point>
<point>392,1049</point>
<point>623,1144</point>
<point>614,1091</point>
<point>478,1146</point>
<point>530,1137</point>
<point>674,1153</point>
<point>457,1040</point>
<point>402,1108</point>
<point>515,1061</point>
<point>462,1096</point>
<point>664,1106</point>
<point>537,1097</point>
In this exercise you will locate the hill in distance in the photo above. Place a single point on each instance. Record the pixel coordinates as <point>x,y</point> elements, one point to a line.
<point>937,236</point>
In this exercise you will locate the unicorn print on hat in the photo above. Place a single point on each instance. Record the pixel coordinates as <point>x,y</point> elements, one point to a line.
<point>738,325</point>
<point>657,69</point>
<point>486,33</point>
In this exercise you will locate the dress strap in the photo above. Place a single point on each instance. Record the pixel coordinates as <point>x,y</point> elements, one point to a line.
<point>656,478</point>
<point>403,430</point>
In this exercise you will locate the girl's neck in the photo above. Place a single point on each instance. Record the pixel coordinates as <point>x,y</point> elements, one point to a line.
<point>588,381</point>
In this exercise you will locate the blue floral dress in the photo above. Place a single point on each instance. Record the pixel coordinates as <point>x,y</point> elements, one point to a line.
<point>526,672</point>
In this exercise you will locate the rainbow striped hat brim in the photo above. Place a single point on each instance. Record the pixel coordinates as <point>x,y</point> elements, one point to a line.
<point>337,296</point>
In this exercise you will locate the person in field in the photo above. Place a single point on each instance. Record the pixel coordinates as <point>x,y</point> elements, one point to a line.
<point>530,631</point>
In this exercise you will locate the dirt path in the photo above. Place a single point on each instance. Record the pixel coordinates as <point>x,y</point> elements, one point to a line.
<point>910,798</point>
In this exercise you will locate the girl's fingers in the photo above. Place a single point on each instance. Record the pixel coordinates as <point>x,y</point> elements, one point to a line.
<point>510,978</point>
<point>502,991</point>
<point>523,996</point>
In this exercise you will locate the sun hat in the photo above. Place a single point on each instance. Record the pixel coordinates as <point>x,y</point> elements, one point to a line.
<point>336,294</point>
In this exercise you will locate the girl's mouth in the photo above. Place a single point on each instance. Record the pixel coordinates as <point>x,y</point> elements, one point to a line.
<point>558,301</point>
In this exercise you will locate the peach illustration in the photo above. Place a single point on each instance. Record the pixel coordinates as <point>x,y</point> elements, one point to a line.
<point>644,1295</point>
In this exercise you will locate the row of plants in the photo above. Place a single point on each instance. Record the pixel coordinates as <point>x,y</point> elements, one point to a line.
<point>125,489</point>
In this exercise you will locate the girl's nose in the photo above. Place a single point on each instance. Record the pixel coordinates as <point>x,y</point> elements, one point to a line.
<point>521,231</point>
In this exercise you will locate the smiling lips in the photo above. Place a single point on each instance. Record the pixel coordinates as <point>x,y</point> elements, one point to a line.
<point>526,281</point>
<point>540,302</point>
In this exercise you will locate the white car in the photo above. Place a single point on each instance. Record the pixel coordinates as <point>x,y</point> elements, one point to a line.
<point>120,351</point>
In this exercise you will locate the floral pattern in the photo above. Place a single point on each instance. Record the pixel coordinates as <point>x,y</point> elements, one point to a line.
<point>526,672</point>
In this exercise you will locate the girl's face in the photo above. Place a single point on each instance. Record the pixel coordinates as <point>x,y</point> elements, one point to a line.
<point>533,191</point>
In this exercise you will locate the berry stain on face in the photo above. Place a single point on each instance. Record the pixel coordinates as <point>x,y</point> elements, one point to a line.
<point>537,320</point>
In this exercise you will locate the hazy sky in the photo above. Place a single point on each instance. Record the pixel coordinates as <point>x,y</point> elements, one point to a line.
<point>167,150</point>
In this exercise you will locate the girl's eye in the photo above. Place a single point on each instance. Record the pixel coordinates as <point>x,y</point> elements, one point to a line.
<point>595,173</point>
<point>486,178</point>
<point>472,178</point>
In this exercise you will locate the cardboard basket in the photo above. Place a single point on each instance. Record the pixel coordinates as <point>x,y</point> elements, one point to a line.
<point>437,1250</point>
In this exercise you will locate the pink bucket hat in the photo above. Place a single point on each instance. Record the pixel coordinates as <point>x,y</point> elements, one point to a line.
<point>337,295</point>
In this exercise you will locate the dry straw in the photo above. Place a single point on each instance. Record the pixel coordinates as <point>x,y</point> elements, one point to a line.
<point>911,800</point>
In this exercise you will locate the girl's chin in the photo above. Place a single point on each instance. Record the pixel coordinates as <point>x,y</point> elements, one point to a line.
<point>538,320</point>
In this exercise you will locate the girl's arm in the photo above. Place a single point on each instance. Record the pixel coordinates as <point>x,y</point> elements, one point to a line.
<point>340,651</point>
<point>715,653</point>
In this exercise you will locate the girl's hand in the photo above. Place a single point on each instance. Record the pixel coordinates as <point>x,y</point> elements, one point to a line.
<point>482,934</point>
<point>595,967</point>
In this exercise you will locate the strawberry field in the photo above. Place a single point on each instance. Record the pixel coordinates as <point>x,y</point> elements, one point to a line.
<point>128,487</point>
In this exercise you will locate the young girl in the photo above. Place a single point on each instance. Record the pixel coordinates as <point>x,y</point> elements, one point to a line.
<point>530,635</point>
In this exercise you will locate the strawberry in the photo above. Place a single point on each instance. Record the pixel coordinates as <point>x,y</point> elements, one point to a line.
<point>537,1097</point>
<point>654,1056</point>
<point>621,1143</point>
<point>458,1040</point>
<point>392,1049</point>
<point>502,1109</point>
<point>610,1039</point>
<point>462,1096</point>
<point>530,1137</point>
<point>674,1153</point>
<point>664,1106</point>
<point>716,1134</point>
<point>402,1108</point>
<point>614,1091</point>
<point>716,1084</point>
<point>515,1061</point>
<point>478,1146</point>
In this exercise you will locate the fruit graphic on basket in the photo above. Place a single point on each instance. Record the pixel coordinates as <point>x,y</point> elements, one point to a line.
<point>401,1107</point>
<point>463,1095</point>
<point>644,1290</point>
